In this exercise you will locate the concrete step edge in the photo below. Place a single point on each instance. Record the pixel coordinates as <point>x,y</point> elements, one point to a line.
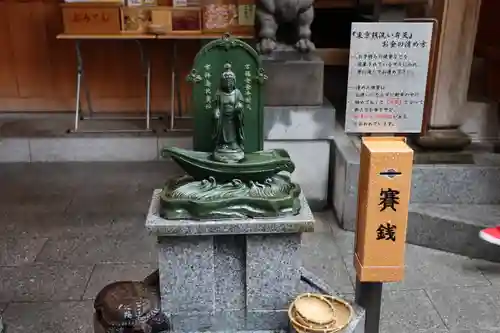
<point>450,234</point>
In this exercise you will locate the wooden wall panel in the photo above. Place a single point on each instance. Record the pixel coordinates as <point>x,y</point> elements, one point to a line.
<point>30,48</point>
<point>38,72</point>
<point>61,55</point>
<point>8,80</point>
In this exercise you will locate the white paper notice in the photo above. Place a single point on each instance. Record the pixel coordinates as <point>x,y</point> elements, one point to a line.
<point>388,69</point>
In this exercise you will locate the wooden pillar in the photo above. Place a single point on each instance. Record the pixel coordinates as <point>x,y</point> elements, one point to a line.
<point>458,27</point>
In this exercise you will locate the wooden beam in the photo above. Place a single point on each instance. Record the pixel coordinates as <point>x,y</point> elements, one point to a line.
<point>454,61</point>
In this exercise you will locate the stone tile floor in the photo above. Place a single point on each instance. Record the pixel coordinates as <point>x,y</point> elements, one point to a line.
<point>69,229</point>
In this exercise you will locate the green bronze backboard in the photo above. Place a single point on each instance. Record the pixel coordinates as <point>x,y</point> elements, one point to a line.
<point>205,75</point>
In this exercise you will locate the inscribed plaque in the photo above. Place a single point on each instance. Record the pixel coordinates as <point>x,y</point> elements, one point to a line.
<point>388,69</point>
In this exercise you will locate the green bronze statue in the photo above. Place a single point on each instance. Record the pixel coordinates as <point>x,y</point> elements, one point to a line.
<point>229,134</point>
<point>229,175</point>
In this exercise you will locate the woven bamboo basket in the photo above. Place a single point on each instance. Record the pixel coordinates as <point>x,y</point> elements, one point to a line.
<point>316,313</point>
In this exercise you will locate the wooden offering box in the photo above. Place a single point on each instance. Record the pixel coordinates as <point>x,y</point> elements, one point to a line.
<point>235,16</point>
<point>135,19</point>
<point>219,15</point>
<point>91,18</point>
<point>186,20</point>
<point>177,20</point>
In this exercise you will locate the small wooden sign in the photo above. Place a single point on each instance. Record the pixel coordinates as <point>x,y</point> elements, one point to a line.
<point>246,12</point>
<point>383,196</point>
<point>91,18</point>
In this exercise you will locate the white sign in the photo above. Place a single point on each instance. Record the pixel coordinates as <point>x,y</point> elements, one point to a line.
<point>388,68</point>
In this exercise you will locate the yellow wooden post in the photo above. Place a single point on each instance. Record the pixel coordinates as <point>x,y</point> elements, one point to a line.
<point>383,197</point>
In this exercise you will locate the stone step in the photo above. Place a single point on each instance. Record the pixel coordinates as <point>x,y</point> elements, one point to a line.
<point>471,177</point>
<point>454,228</point>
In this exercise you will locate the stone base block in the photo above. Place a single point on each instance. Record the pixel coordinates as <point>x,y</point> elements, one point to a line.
<point>235,320</point>
<point>238,320</point>
<point>228,274</point>
<point>295,79</point>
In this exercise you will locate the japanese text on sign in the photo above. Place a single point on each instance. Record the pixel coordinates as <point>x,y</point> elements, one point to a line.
<point>86,17</point>
<point>387,76</point>
<point>386,231</point>
<point>389,199</point>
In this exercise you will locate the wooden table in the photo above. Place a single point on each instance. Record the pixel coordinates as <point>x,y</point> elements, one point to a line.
<point>146,64</point>
<point>80,78</point>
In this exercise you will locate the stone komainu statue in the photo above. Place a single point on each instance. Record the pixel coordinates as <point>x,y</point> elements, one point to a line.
<point>272,14</point>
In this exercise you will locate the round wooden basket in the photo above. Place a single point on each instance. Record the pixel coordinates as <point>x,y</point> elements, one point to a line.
<point>316,313</point>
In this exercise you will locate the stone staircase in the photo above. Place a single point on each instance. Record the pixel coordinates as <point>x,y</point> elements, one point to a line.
<point>454,196</point>
<point>454,228</point>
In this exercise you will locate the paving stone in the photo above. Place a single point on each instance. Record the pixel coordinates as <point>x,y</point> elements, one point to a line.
<point>399,317</point>
<point>105,248</point>
<point>50,317</point>
<point>29,181</point>
<point>56,226</point>
<point>344,240</point>
<point>19,250</point>
<point>129,200</point>
<point>47,282</point>
<point>38,205</point>
<point>28,224</point>
<point>321,257</point>
<point>434,269</point>
<point>490,269</point>
<point>113,231</point>
<point>468,308</point>
<point>105,274</point>
<point>475,331</point>
<point>428,268</point>
<point>322,221</point>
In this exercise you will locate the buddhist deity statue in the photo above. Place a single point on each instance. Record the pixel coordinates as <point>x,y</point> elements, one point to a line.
<point>228,174</point>
<point>228,116</point>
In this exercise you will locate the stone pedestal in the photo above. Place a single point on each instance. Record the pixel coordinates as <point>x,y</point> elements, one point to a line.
<point>305,132</point>
<point>295,79</point>
<point>228,274</point>
<point>444,139</point>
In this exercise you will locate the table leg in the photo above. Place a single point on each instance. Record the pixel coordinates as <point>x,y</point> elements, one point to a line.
<point>83,79</point>
<point>172,88</point>
<point>82,83</point>
<point>79,69</point>
<point>146,66</point>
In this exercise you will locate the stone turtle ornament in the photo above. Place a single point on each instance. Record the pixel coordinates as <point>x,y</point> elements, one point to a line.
<point>129,307</point>
<point>274,14</point>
